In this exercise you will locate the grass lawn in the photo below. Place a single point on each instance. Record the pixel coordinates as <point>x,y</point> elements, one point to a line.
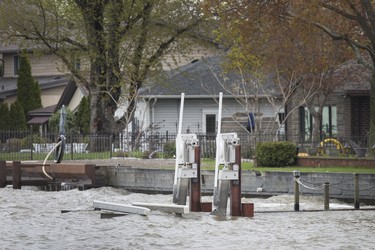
<point>208,164</point>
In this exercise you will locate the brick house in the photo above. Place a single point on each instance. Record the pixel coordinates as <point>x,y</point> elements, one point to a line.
<point>346,113</point>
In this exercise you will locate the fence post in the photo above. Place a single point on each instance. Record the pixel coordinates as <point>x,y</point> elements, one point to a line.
<point>356,191</point>
<point>31,143</point>
<point>71,146</point>
<point>296,175</point>
<point>110,145</point>
<point>326,196</point>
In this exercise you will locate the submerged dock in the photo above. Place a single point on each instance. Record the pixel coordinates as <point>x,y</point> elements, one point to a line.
<point>20,174</point>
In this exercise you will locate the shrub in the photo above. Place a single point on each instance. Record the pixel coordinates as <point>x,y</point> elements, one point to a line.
<point>169,149</point>
<point>276,154</point>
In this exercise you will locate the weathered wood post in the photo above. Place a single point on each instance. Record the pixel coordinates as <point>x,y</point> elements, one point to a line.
<point>16,168</point>
<point>356,191</point>
<point>296,175</point>
<point>235,186</point>
<point>326,196</point>
<point>3,174</point>
<point>195,183</point>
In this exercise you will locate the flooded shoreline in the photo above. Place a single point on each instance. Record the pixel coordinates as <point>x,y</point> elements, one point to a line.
<point>32,219</point>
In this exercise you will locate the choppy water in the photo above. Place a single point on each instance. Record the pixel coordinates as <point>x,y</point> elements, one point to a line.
<point>32,219</point>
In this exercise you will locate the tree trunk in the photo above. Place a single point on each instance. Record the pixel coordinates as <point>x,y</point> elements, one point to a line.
<point>315,139</point>
<point>102,110</point>
<point>372,111</point>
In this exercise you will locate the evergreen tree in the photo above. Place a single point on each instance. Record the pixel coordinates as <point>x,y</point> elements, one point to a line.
<point>4,117</point>
<point>70,123</point>
<point>28,89</point>
<point>17,116</point>
<point>83,115</point>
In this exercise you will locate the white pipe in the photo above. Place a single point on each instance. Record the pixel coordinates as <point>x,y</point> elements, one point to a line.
<point>178,136</point>
<point>217,139</point>
<point>181,113</point>
<point>45,160</point>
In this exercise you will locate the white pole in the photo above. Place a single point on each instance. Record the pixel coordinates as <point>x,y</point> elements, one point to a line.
<point>178,136</point>
<point>217,140</point>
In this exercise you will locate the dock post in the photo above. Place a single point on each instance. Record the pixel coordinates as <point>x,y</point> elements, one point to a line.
<point>3,174</point>
<point>16,174</point>
<point>235,186</point>
<point>296,190</point>
<point>195,184</point>
<point>326,196</point>
<point>356,191</point>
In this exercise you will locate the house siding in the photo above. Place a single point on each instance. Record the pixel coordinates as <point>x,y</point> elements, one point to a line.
<point>8,65</point>
<point>46,65</point>
<point>51,96</point>
<point>166,113</point>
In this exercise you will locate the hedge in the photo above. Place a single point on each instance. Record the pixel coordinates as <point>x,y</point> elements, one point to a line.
<point>276,154</point>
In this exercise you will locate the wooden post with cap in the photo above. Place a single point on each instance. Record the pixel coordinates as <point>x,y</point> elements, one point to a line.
<point>195,183</point>
<point>235,186</point>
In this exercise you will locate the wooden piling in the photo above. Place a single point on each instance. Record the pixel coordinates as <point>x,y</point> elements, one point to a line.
<point>235,185</point>
<point>206,207</point>
<point>326,196</point>
<point>3,174</point>
<point>296,190</point>
<point>356,191</point>
<point>16,169</point>
<point>195,184</point>
<point>248,209</point>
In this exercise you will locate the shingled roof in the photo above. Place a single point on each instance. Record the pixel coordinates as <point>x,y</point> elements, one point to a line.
<point>8,85</point>
<point>354,77</point>
<point>200,78</point>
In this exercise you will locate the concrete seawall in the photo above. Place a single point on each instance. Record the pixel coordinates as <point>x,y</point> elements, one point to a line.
<point>253,183</point>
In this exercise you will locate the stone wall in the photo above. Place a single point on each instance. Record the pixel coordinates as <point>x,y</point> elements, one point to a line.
<point>253,183</point>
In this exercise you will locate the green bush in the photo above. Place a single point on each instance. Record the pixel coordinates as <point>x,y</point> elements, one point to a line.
<point>276,154</point>
<point>169,149</point>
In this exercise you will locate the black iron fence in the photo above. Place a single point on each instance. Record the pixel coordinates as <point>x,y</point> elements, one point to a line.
<point>28,145</point>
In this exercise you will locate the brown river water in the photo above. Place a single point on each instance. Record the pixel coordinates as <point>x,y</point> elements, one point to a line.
<point>32,219</point>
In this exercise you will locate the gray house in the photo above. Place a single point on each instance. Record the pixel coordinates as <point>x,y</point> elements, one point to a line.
<point>202,81</point>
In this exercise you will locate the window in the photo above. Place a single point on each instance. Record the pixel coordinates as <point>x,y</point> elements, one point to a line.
<point>329,121</point>
<point>305,123</point>
<point>77,64</point>
<point>328,126</point>
<point>16,64</point>
<point>210,123</point>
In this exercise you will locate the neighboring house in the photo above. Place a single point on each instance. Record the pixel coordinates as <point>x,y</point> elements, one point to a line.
<point>201,81</point>
<point>346,113</point>
<point>57,87</point>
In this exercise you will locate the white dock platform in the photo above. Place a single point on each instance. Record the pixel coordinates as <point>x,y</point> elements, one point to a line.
<point>168,208</point>
<point>121,208</point>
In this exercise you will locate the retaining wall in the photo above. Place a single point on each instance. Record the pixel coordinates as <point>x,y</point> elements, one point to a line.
<point>252,183</point>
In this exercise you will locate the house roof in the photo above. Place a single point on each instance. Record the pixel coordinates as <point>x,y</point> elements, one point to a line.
<point>42,115</point>
<point>200,78</point>
<point>8,85</point>
<point>68,93</point>
<point>354,77</point>
<point>49,110</point>
<point>4,49</point>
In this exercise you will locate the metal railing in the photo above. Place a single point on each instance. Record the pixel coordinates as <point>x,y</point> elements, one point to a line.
<point>28,145</point>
